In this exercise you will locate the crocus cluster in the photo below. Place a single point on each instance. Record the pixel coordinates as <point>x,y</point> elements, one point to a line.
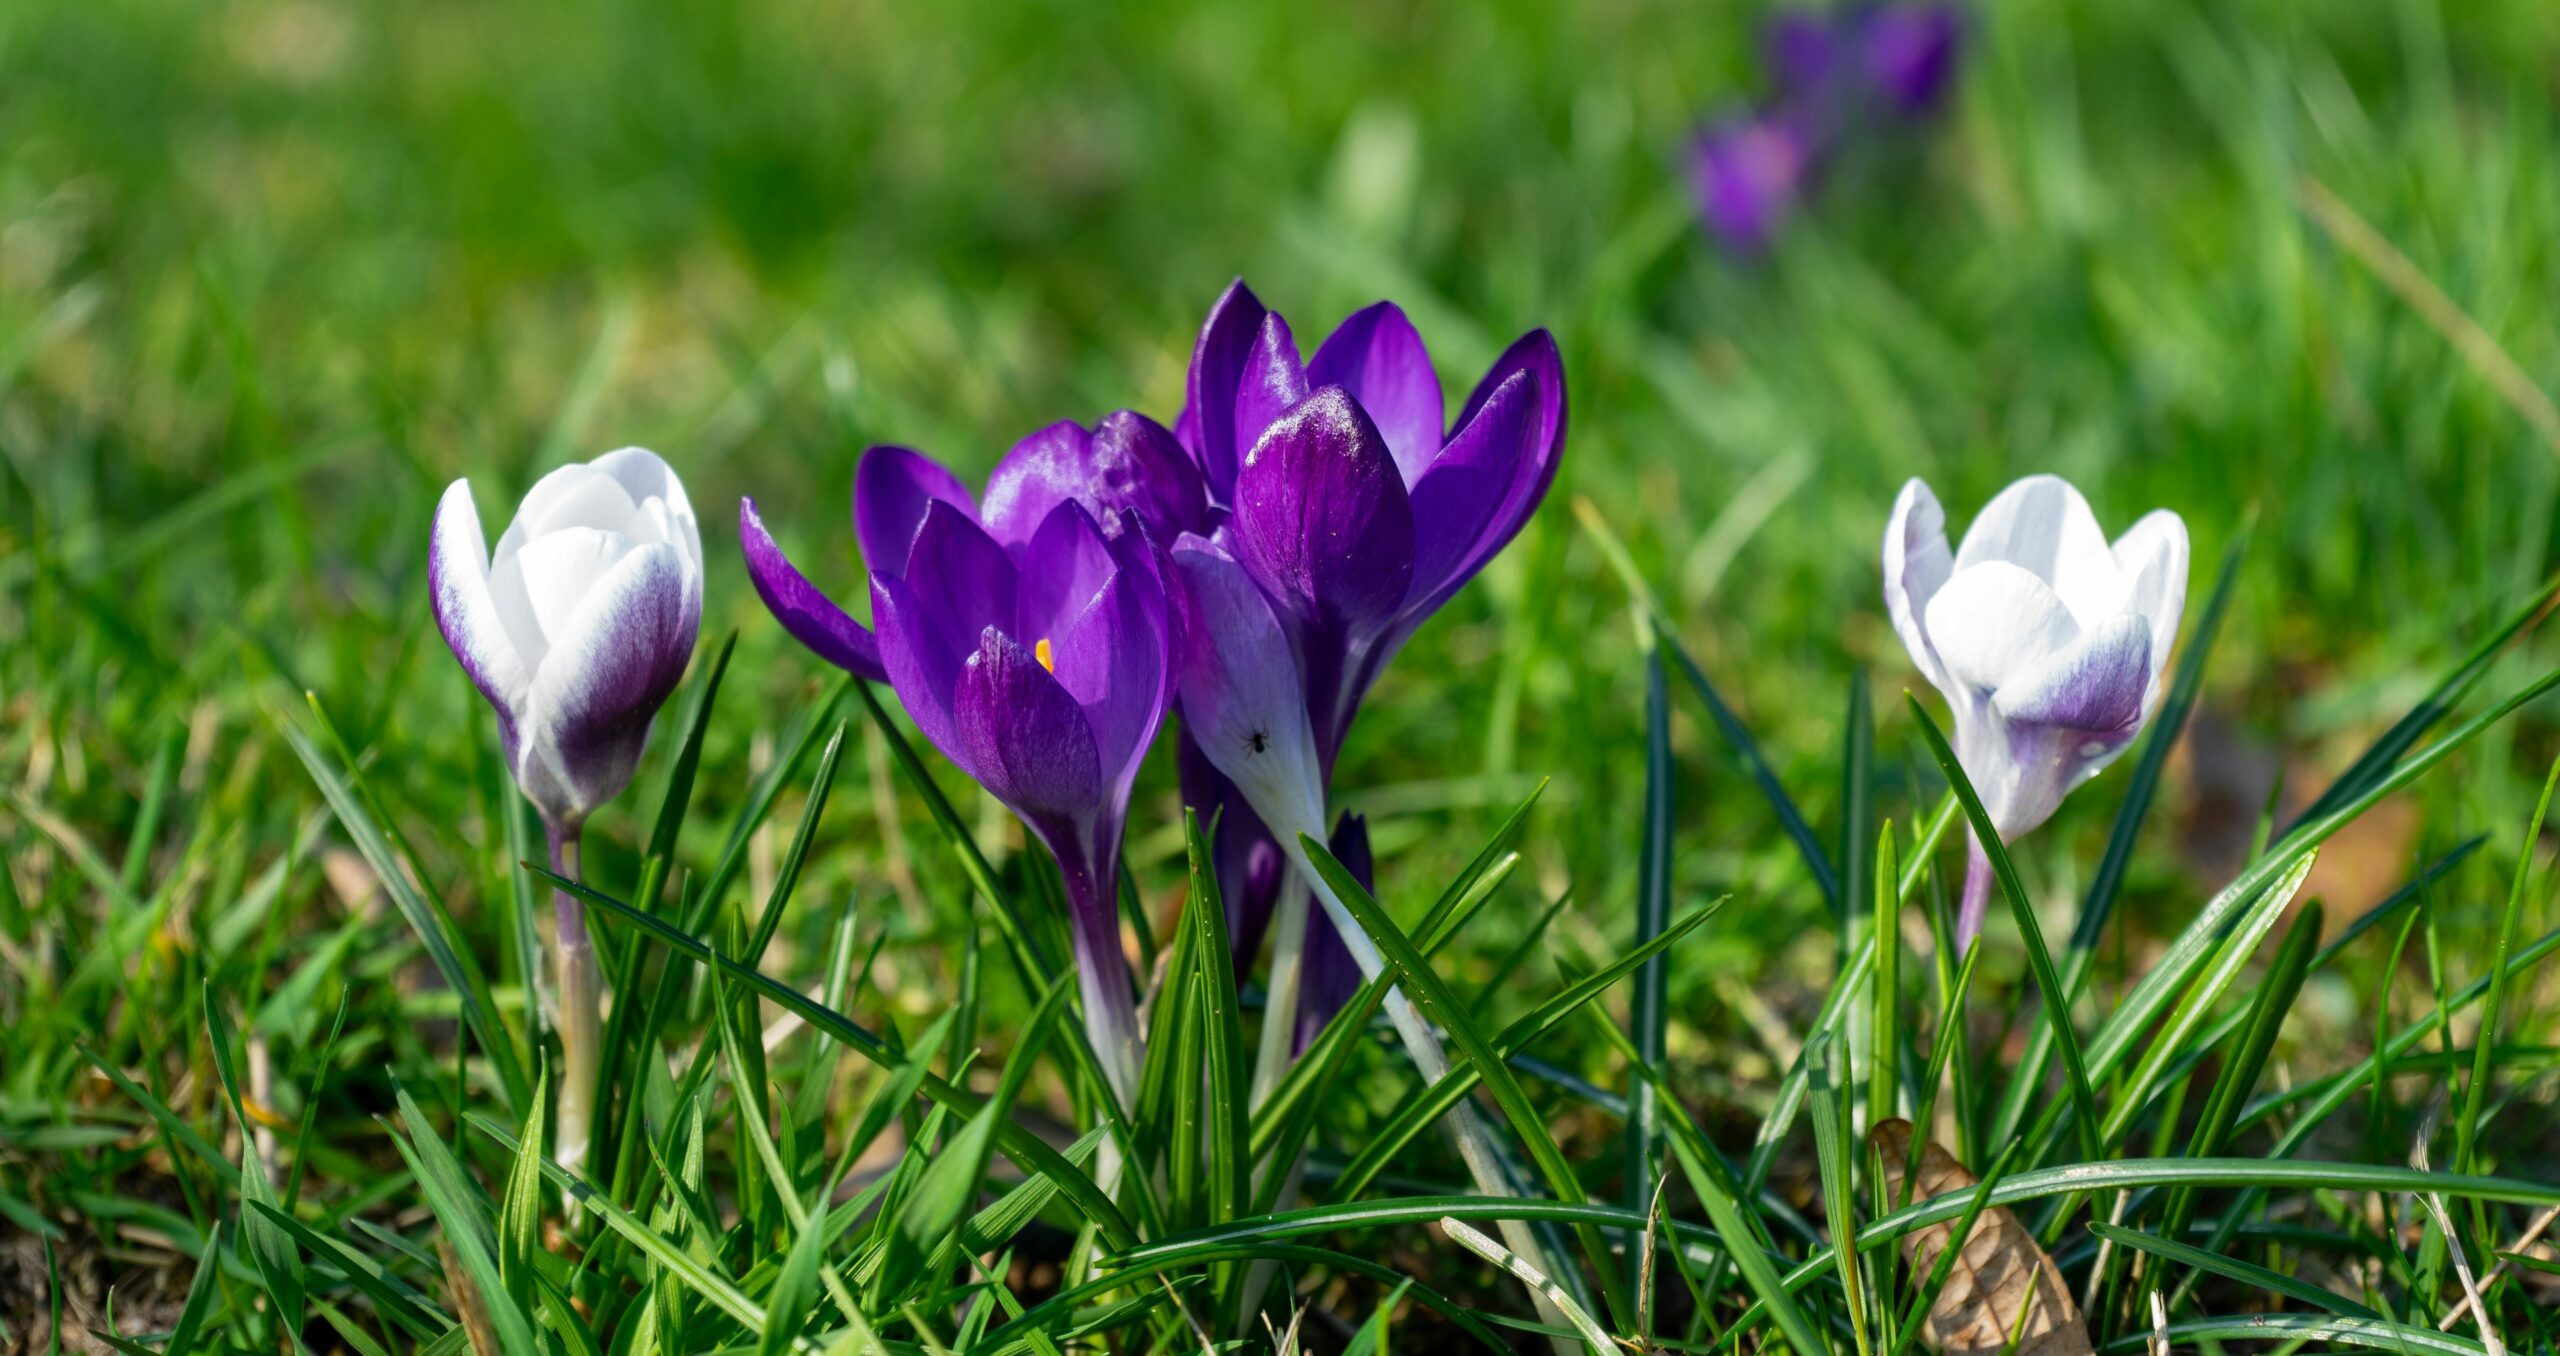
<point>2047,640</point>
<point>1837,80</point>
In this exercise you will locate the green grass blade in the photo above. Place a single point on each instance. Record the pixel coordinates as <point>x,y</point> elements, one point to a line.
<point>2057,1001</point>
<point>2475,1096</point>
<point>1431,995</point>
<point>1019,1144</point>
<point>1649,1005</point>
<point>2248,1274</point>
<point>950,1185</point>
<point>1420,1113</point>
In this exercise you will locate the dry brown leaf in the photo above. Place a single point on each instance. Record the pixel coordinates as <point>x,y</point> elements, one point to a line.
<point>1999,1272</point>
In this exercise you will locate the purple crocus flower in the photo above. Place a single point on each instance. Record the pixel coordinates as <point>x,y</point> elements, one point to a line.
<point>1750,173</point>
<point>1834,78</point>
<point>1349,502</point>
<point>576,630</point>
<point>1907,55</point>
<point>1029,640</point>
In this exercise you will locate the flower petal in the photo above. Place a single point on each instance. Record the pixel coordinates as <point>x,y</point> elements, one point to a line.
<point>1916,565</point>
<point>613,661</point>
<point>2151,562</point>
<point>2059,724</point>
<point>540,587</point>
<point>1115,659</point>
<point>1062,569</point>
<point>892,489</point>
<point>1995,621</point>
<point>810,616</point>
<point>1127,464</point>
<point>1024,738</point>
<point>574,495</point>
<point>1534,353</point>
<point>1217,372</point>
<point>1457,502</point>
<point>1241,698</point>
<point>2042,525</point>
<point>1273,381</point>
<point>959,582</point>
<point>1378,357</point>
<point>458,582</point>
<point>1909,52</point>
<point>2096,684</point>
<point>645,476</point>
<point>1749,175</point>
<point>1322,519</point>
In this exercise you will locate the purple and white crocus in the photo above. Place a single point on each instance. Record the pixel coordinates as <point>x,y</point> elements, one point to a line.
<point>2047,640</point>
<point>576,629</point>
<point>1029,638</point>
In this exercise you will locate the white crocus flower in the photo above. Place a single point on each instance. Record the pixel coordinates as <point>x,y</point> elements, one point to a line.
<point>2047,641</point>
<point>576,629</point>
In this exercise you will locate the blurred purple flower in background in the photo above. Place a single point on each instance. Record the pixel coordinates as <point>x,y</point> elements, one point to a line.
<point>1836,81</point>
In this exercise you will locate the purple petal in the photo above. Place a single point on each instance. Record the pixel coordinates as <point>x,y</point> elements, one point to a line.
<point>1378,357</point>
<point>1127,464</point>
<point>1112,655</point>
<point>1274,381</point>
<point>1044,470</point>
<point>1748,176</point>
<point>610,667</point>
<point>892,489</point>
<point>1241,697</point>
<point>1322,519</point>
<point>1062,568</point>
<point>1217,372</point>
<point>458,584</point>
<point>1024,739</point>
<point>1909,53</point>
<point>2096,685</point>
<point>1534,353</point>
<point>810,616</point>
<point>958,583</point>
<point>1803,52</point>
<point>1457,503</point>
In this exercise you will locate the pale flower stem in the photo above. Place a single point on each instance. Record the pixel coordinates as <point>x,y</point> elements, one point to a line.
<point>1422,1045</point>
<point>581,987</point>
<point>1280,1000</point>
<point>1977,894</point>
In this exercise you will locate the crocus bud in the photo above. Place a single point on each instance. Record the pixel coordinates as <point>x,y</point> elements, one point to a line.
<point>579,625</point>
<point>576,630</point>
<point>2047,641</point>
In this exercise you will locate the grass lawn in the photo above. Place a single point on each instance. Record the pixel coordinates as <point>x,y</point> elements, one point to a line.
<point>273,273</point>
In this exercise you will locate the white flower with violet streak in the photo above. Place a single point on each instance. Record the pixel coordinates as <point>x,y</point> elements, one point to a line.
<point>2048,642</point>
<point>579,625</point>
<point>575,629</point>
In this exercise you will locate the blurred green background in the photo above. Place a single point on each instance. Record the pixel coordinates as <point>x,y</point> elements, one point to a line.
<point>273,272</point>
